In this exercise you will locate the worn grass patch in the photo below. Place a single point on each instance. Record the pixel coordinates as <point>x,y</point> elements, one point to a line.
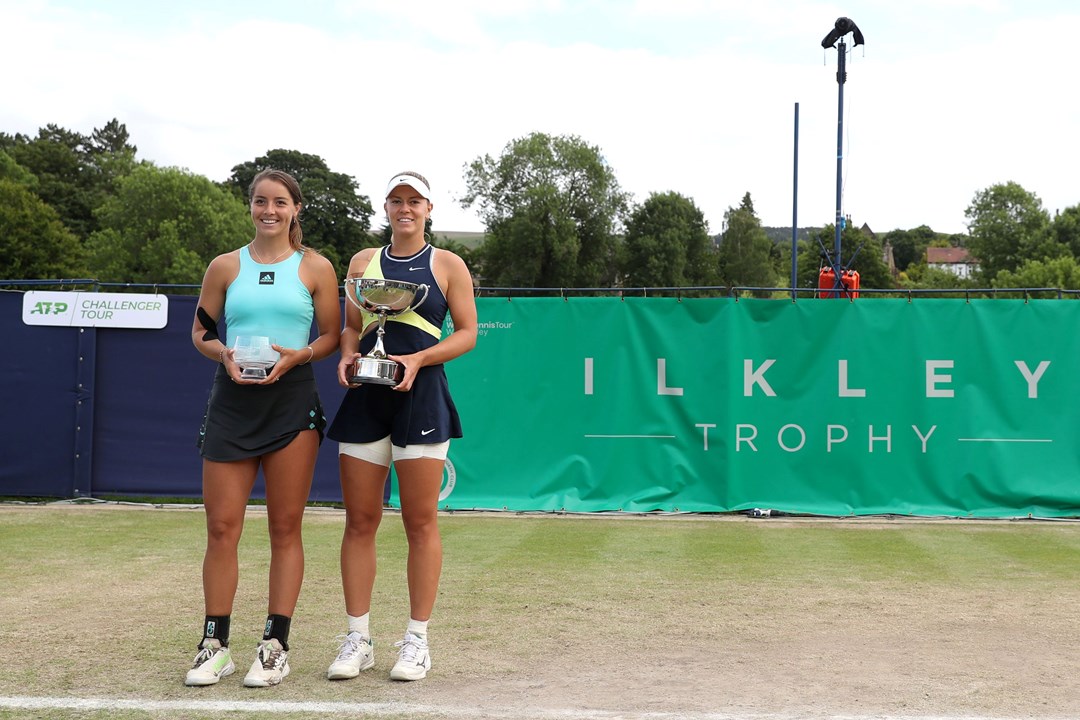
<point>110,599</point>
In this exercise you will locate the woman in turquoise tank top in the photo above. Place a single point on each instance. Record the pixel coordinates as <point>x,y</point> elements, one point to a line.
<point>409,424</point>
<point>272,287</point>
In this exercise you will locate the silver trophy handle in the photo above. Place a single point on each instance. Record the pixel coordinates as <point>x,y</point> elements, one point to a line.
<point>351,286</point>
<point>420,302</point>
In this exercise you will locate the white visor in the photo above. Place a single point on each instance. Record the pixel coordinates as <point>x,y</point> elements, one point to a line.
<point>415,183</point>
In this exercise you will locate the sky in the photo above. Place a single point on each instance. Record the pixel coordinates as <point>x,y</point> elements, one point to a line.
<point>945,99</point>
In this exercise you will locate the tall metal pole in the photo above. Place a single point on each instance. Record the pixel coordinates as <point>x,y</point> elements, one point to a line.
<point>795,212</point>
<point>841,78</point>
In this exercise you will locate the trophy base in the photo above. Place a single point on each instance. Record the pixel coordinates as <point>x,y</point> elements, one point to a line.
<point>253,373</point>
<point>377,371</point>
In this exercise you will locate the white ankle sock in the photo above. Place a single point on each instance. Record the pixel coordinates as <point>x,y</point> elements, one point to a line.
<point>360,624</point>
<point>417,627</point>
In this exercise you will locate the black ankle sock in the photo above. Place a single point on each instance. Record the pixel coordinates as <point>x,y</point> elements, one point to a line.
<point>277,628</point>
<point>217,627</point>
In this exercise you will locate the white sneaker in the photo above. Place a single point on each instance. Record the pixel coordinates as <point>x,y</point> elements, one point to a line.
<point>211,664</point>
<point>356,654</point>
<point>414,661</point>
<point>271,665</point>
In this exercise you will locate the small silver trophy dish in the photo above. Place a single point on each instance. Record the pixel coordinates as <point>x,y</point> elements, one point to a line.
<point>254,356</point>
<point>383,298</point>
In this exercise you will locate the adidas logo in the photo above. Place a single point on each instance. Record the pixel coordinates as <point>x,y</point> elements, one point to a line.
<point>266,278</point>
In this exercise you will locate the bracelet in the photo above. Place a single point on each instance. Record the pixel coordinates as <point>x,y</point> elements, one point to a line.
<point>221,356</point>
<point>312,355</point>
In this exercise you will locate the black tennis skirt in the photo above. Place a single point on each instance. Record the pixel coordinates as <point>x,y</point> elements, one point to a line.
<point>244,421</point>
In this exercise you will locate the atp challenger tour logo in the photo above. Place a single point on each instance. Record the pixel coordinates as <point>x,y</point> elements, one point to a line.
<point>938,383</point>
<point>94,309</point>
<point>45,307</point>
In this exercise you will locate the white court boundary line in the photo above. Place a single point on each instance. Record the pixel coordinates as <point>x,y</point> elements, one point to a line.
<point>377,709</point>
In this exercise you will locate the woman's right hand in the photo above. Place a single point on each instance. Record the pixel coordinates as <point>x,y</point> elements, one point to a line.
<point>344,369</point>
<point>232,369</point>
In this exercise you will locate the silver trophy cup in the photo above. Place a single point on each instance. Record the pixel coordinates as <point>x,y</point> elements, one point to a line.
<point>383,298</point>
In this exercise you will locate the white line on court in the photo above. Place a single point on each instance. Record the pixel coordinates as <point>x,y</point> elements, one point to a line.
<point>377,709</point>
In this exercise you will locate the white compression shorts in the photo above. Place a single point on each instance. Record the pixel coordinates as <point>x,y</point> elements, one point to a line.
<point>382,452</point>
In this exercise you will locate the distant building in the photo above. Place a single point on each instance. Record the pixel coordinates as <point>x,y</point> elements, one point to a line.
<point>956,260</point>
<point>890,258</point>
<point>886,249</point>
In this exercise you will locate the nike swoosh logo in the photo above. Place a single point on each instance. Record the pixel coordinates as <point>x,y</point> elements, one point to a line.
<point>419,268</point>
<point>427,432</point>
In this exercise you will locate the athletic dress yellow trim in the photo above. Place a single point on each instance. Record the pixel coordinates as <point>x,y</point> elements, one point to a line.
<point>425,414</point>
<point>412,317</point>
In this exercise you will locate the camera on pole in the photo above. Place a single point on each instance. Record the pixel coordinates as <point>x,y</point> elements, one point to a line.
<point>834,278</point>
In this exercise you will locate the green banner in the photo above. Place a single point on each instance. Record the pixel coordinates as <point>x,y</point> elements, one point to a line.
<point>923,407</point>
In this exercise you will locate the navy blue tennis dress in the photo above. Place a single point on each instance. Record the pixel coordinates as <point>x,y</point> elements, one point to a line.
<point>426,414</point>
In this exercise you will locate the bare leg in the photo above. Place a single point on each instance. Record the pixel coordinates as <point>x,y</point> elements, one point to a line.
<point>362,485</point>
<point>288,473</point>
<point>418,485</point>
<point>226,489</point>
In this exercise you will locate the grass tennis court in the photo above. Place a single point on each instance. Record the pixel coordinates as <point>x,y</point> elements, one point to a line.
<point>556,616</point>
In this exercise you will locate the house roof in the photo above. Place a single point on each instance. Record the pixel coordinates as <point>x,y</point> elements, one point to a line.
<point>948,256</point>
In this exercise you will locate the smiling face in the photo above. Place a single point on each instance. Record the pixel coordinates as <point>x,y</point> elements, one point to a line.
<point>407,210</point>
<point>272,208</point>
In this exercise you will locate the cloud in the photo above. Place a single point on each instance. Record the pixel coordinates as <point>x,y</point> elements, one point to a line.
<point>695,97</point>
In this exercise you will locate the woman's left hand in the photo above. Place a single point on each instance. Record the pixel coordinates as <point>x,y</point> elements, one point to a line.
<point>411,364</point>
<point>287,360</point>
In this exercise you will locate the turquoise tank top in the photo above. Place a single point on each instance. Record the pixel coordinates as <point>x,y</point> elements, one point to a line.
<point>269,300</point>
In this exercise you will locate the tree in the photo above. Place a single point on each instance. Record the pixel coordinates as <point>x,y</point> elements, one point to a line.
<point>551,207</point>
<point>75,172</point>
<point>809,261</point>
<point>1008,225</point>
<point>16,173</point>
<point>1066,229</point>
<point>109,155</point>
<point>667,244</point>
<point>746,252</point>
<point>909,246</point>
<point>33,241</point>
<point>920,276</point>
<point>861,252</point>
<point>868,257</point>
<point>1061,272</point>
<point>55,157</point>
<point>335,217</point>
<point>537,246</point>
<point>164,225</point>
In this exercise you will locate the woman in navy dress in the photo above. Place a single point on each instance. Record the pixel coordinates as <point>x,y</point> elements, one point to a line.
<point>409,424</point>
